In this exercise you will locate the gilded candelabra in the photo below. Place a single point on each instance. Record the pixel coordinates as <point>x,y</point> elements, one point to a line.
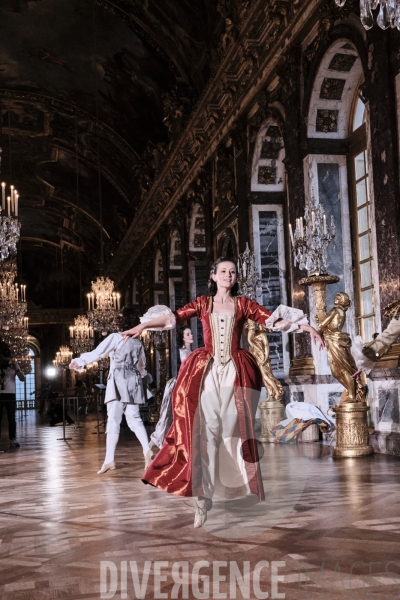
<point>272,409</point>
<point>248,277</point>
<point>352,435</point>
<point>310,242</point>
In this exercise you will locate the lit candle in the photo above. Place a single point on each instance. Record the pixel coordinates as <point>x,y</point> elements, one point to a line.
<point>12,193</point>
<point>119,300</point>
<point>8,205</point>
<point>114,297</point>
<point>17,290</point>
<point>291,234</point>
<point>324,219</point>
<point>71,332</point>
<point>16,205</point>
<point>92,297</point>
<point>313,219</point>
<point>3,195</point>
<point>91,333</point>
<point>301,227</point>
<point>88,301</point>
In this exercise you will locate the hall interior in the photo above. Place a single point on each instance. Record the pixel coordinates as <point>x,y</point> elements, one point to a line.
<point>140,141</point>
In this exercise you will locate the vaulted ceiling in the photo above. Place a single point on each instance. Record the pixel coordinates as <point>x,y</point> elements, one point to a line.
<point>86,89</point>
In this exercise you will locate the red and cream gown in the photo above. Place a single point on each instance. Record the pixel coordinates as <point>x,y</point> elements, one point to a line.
<point>211,440</point>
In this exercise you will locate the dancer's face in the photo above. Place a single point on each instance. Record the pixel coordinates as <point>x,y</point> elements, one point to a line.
<point>226,276</point>
<point>187,336</point>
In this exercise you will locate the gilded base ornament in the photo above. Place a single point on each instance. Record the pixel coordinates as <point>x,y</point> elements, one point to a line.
<point>272,410</point>
<point>338,344</point>
<point>302,366</point>
<point>259,348</point>
<point>352,434</point>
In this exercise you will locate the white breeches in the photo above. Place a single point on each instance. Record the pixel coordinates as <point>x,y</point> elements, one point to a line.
<point>223,466</point>
<point>115,410</point>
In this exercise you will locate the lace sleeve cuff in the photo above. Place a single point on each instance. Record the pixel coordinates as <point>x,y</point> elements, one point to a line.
<point>362,361</point>
<point>295,317</point>
<point>159,311</point>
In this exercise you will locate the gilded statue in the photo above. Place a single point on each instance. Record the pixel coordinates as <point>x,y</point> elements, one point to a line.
<point>259,348</point>
<point>338,345</point>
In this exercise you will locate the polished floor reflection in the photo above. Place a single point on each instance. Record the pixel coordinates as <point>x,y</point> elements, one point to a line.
<point>59,521</point>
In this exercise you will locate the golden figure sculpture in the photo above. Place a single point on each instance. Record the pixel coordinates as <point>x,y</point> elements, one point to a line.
<point>338,345</point>
<point>259,348</point>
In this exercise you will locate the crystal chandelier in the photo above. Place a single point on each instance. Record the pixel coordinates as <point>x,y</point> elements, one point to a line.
<point>10,227</point>
<point>103,364</point>
<point>24,363</point>
<point>248,277</point>
<point>103,303</point>
<point>13,305</point>
<point>63,358</point>
<point>81,335</point>
<point>16,337</point>
<point>388,16</point>
<point>92,368</point>
<point>311,240</point>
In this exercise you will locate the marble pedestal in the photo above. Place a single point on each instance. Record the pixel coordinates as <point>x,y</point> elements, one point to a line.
<point>384,388</point>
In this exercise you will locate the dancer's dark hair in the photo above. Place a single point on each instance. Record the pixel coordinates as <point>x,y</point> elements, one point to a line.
<point>212,285</point>
<point>179,336</point>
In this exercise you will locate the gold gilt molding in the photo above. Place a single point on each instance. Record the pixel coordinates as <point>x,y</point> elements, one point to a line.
<point>269,29</point>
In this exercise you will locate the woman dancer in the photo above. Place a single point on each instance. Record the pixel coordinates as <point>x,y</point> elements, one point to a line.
<point>125,391</point>
<point>184,338</point>
<point>220,380</point>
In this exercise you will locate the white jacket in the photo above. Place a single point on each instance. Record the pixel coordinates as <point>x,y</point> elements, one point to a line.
<point>127,368</point>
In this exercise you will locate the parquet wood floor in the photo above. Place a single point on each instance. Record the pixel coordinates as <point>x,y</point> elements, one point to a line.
<point>59,520</point>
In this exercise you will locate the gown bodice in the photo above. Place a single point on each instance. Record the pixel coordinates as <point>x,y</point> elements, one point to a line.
<point>222,327</point>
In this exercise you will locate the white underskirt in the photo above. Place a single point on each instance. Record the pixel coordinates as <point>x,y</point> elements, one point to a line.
<point>224,469</point>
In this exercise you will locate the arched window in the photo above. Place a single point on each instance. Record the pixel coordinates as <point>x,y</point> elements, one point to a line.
<point>268,172</point>
<point>363,221</point>
<point>25,390</point>
<point>333,92</point>
<point>359,113</point>
<point>340,182</point>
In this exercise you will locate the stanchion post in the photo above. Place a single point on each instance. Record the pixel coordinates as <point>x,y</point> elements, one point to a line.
<point>98,432</point>
<point>64,439</point>
<point>78,426</point>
